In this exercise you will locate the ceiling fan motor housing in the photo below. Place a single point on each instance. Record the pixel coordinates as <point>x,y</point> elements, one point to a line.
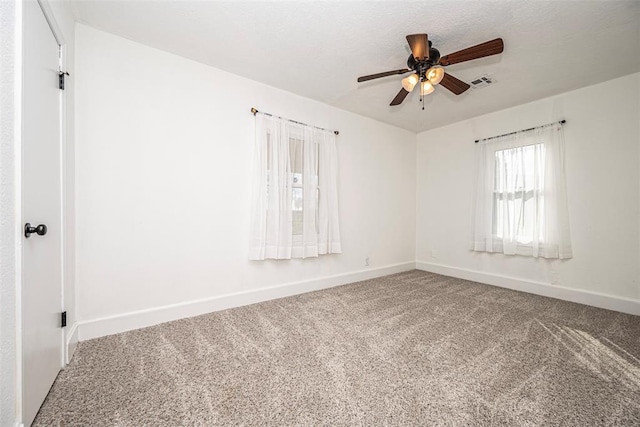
<point>421,67</point>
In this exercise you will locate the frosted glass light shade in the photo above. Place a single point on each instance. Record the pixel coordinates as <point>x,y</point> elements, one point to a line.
<point>426,88</point>
<point>408,83</point>
<point>435,75</point>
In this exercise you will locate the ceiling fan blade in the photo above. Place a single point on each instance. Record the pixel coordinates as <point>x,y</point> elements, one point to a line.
<point>400,97</point>
<point>455,85</point>
<point>385,74</point>
<point>481,50</point>
<point>419,45</point>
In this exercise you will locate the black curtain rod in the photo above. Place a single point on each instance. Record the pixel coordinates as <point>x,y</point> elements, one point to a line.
<point>525,130</point>
<point>254,111</point>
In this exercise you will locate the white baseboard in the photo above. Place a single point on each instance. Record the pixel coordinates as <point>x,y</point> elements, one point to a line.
<point>94,328</point>
<point>609,302</point>
<point>71,343</point>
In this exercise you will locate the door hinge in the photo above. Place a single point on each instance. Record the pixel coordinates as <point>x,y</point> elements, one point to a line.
<point>63,319</point>
<point>61,75</point>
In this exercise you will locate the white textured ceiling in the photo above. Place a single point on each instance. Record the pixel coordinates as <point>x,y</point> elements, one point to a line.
<point>318,49</point>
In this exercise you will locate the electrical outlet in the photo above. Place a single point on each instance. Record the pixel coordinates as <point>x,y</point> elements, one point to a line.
<point>366,261</point>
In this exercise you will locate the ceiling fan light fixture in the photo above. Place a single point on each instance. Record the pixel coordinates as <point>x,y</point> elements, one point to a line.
<point>408,83</point>
<point>435,75</point>
<point>426,88</point>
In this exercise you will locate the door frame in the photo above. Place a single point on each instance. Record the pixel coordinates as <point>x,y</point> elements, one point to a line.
<point>62,139</point>
<point>18,170</point>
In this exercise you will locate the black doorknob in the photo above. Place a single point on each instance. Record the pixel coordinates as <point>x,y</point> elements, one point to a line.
<point>40,230</point>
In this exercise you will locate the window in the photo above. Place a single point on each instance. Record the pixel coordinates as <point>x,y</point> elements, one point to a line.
<point>518,195</point>
<point>296,151</point>
<point>295,209</point>
<point>521,205</point>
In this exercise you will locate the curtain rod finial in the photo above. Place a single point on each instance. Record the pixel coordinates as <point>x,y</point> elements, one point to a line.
<point>253,111</point>
<point>336,132</point>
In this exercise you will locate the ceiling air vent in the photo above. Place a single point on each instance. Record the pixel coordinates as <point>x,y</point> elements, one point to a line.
<point>482,81</point>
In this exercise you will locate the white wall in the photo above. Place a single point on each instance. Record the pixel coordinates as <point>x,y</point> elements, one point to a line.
<point>163,164</point>
<point>10,17</point>
<point>602,164</point>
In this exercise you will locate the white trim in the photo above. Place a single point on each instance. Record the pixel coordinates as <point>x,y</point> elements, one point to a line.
<point>62,143</point>
<point>94,328</point>
<point>71,343</point>
<point>18,424</point>
<point>49,16</point>
<point>609,302</point>
<point>18,63</point>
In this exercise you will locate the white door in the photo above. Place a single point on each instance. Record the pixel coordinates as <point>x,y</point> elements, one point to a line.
<point>41,204</point>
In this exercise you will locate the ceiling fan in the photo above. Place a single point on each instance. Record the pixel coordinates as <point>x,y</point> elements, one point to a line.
<point>426,64</point>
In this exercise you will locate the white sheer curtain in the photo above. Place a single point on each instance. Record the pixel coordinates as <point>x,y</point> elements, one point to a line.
<point>295,198</point>
<point>520,205</point>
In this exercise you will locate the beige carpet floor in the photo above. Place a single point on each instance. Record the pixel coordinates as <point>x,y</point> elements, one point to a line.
<point>413,348</point>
